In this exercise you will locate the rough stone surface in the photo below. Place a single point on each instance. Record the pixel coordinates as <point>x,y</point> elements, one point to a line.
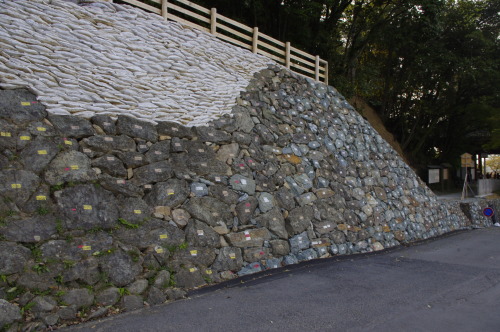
<point>9,313</point>
<point>294,174</point>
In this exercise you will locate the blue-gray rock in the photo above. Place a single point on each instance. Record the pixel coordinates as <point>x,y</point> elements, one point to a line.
<point>299,242</point>
<point>240,183</point>
<point>273,263</point>
<point>199,189</point>
<point>306,199</point>
<point>266,202</point>
<point>307,255</point>
<point>290,259</point>
<point>250,268</point>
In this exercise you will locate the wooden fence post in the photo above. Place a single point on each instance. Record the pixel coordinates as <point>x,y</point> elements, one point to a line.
<point>316,69</point>
<point>255,40</point>
<point>164,9</point>
<point>287,55</point>
<point>213,21</point>
<point>326,72</point>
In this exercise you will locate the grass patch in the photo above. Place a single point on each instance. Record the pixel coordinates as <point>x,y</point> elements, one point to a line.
<point>127,224</point>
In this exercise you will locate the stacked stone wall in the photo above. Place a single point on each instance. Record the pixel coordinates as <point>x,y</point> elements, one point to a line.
<point>105,215</point>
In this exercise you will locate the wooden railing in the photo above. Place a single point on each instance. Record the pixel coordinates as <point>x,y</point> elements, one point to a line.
<point>231,31</point>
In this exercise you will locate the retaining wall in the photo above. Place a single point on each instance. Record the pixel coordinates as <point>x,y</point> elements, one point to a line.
<point>105,215</point>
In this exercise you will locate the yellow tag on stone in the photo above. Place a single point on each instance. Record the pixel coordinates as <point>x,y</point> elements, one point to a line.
<point>41,198</point>
<point>163,236</point>
<point>192,269</point>
<point>87,207</point>
<point>41,129</point>
<point>25,103</point>
<point>232,255</point>
<point>159,250</point>
<point>87,248</point>
<point>25,138</point>
<point>208,271</point>
<point>194,252</point>
<point>137,211</point>
<point>42,151</point>
<point>16,186</point>
<point>74,167</point>
<point>68,142</point>
<point>5,134</point>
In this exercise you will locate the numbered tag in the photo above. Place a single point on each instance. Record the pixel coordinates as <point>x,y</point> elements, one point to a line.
<point>87,207</point>
<point>41,198</point>
<point>42,152</point>
<point>163,236</point>
<point>15,186</point>
<point>137,211</point>
<point>24,138</point>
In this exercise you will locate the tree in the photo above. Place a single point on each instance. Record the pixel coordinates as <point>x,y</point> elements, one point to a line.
<point>493,162</point>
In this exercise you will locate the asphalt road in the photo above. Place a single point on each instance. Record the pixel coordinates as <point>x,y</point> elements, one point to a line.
<point>449,284</point>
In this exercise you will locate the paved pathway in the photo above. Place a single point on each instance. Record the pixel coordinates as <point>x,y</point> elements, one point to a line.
<point>451,284</point>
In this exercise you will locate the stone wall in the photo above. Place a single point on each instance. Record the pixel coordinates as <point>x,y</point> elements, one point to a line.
<point>104,215</point>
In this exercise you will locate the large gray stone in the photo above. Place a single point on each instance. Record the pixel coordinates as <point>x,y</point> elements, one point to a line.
<point>299,219</point>
<point>189,277</point>
<point>9,313</point>
<point>132,302</point>
<point>87,207</point>
<point>111,165</point>
<point>158,152</point>
<point>120,268</point>
<point>31,230</point>
<point>120,186</point>
<point>245,210</point>
<point>174,129</point>
<point>18,186</point>
<point>241,183</point>
<point>12,106</point>
<point>71,126</point>
<point>136,128</point>
<point>152,173</point>
<point>134,210</point>
<point>229,258</point>
<point>274,221</point>
<point>107,144</point>
<point>249,238</point>
<point>38,154</point>
<point>105,122</point>
<point>199,234</point>
<point>109,296</point>
<point>13,257</point>
<point>209,210</point>
<point>171,193</point>
<point>70,166</point>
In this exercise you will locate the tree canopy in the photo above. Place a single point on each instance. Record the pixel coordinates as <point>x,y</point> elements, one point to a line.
<point>429,67</point>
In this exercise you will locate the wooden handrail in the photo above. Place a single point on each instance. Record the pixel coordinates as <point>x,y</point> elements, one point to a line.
<point>238,34</point>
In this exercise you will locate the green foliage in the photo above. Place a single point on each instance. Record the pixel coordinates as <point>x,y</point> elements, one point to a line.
<point>27,307</point>
<point>40,268</point>
<point>123,291</point>
<point>59,279</point>
<point>59,226</point>
<point>68,264</point>
<point>135,255</point>
<point>14,292</point>
<point>42,210</point>
<point>56,187</point>
<point>127,224</point>
<point>184,245</point>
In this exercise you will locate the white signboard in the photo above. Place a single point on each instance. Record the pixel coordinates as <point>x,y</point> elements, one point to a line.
<point>433,175</point>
